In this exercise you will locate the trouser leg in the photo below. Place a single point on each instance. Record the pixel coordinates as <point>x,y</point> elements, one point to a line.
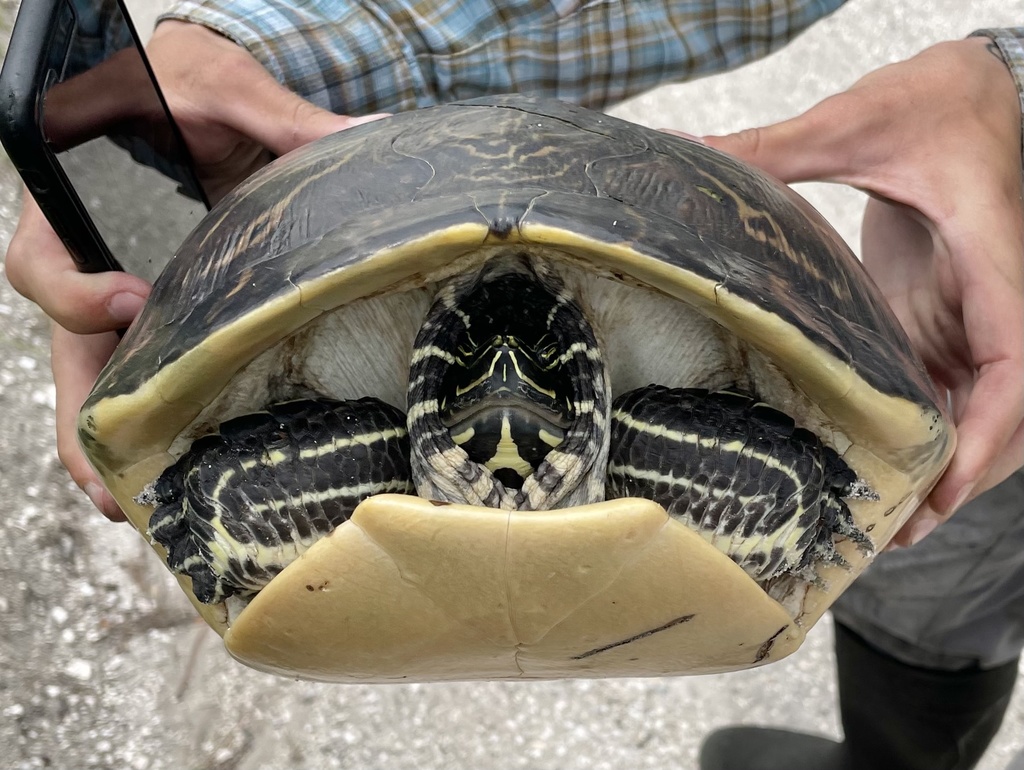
<point>895,716</point>
<point>905,717</point>
<point>930,636</point>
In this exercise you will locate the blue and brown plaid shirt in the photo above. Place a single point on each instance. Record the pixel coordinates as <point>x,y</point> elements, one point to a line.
<point>355,58</point>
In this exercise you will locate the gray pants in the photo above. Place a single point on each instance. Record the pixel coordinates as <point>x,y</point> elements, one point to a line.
<point>955,600</point>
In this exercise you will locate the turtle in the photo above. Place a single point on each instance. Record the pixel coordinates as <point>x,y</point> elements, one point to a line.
<point>511,389</point>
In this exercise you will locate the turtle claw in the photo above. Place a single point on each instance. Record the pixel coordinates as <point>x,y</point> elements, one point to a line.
<point>859,489</point>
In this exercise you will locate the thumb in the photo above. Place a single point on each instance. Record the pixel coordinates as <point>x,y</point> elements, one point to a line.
<point>800,149</point>
<point>279,119</point>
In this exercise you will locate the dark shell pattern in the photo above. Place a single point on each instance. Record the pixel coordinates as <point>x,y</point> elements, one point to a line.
<point>510,162</point>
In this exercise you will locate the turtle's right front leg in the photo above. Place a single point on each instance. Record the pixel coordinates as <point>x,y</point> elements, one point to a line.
<point>243,503</point>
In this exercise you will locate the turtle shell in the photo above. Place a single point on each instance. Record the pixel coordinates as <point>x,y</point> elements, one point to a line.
<point>696,269</point>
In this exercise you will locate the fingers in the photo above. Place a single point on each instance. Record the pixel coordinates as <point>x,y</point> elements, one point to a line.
<point>906,114</point>
<point>682,135</point>
<point>232,113</point>
<point>281,120</point>
<point>76,361</point>
<point>926,518</point>
<point>1009,462</point>
<point>977,327</point>
<point>40,268</point>
<point>236,93</point>
<point>990,280</point>
<point>794,150</point>
<point>958,288</point>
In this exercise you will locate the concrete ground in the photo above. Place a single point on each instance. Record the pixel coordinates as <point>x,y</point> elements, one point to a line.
<point>104,665</point>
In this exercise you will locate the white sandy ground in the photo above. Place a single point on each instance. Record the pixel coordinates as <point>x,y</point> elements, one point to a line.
<point>103,664</point>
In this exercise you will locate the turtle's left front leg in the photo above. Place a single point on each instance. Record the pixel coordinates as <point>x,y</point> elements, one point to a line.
<point>767,493</point>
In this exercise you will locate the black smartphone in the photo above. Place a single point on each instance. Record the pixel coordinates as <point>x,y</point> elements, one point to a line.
<point>84,122</point>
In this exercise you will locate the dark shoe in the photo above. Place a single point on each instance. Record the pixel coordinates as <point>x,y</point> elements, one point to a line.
<point>762,748</point>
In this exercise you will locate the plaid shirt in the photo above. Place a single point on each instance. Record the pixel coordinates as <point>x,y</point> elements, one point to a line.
<point>1011,46</point>
<point>355,57</point>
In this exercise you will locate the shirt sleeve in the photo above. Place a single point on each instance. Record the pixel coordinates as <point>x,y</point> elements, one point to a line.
<point>1010,42</point>
<point>390,55</point>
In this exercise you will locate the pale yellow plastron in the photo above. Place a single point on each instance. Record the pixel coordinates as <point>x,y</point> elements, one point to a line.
<point>410,591</point>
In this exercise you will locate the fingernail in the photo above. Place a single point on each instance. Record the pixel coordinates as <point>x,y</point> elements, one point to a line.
<point>961,498</point>
<point>125,306</point>
<point>368,118</point>
<point>921,529</point>
<point>104,501</point>
<point>95,493</point>
<point>683,134</point>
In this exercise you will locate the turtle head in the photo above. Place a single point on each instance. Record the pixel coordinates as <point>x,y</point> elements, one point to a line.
<point>507,397</point>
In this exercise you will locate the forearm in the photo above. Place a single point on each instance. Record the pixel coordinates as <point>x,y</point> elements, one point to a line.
<point>398,54</point>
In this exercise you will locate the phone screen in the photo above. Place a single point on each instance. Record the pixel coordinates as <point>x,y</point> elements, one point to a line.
<point>136,183</point>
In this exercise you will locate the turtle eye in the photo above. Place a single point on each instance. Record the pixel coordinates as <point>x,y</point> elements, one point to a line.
<point>548,355</point>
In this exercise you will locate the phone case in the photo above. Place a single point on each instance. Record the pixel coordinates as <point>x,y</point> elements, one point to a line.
<point>22,86</point>
<point>55,41</point>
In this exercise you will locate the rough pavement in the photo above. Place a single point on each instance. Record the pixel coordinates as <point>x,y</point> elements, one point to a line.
<point>103,664</point>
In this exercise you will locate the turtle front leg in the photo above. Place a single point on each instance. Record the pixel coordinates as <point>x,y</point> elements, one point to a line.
<point>768,494</point>
<point>243,503</point>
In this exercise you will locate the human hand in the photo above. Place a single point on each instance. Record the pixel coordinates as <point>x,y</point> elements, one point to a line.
<point>233,114</point>
<point>86,308</point>
<point>936,142</point>
<point>235,117</point>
